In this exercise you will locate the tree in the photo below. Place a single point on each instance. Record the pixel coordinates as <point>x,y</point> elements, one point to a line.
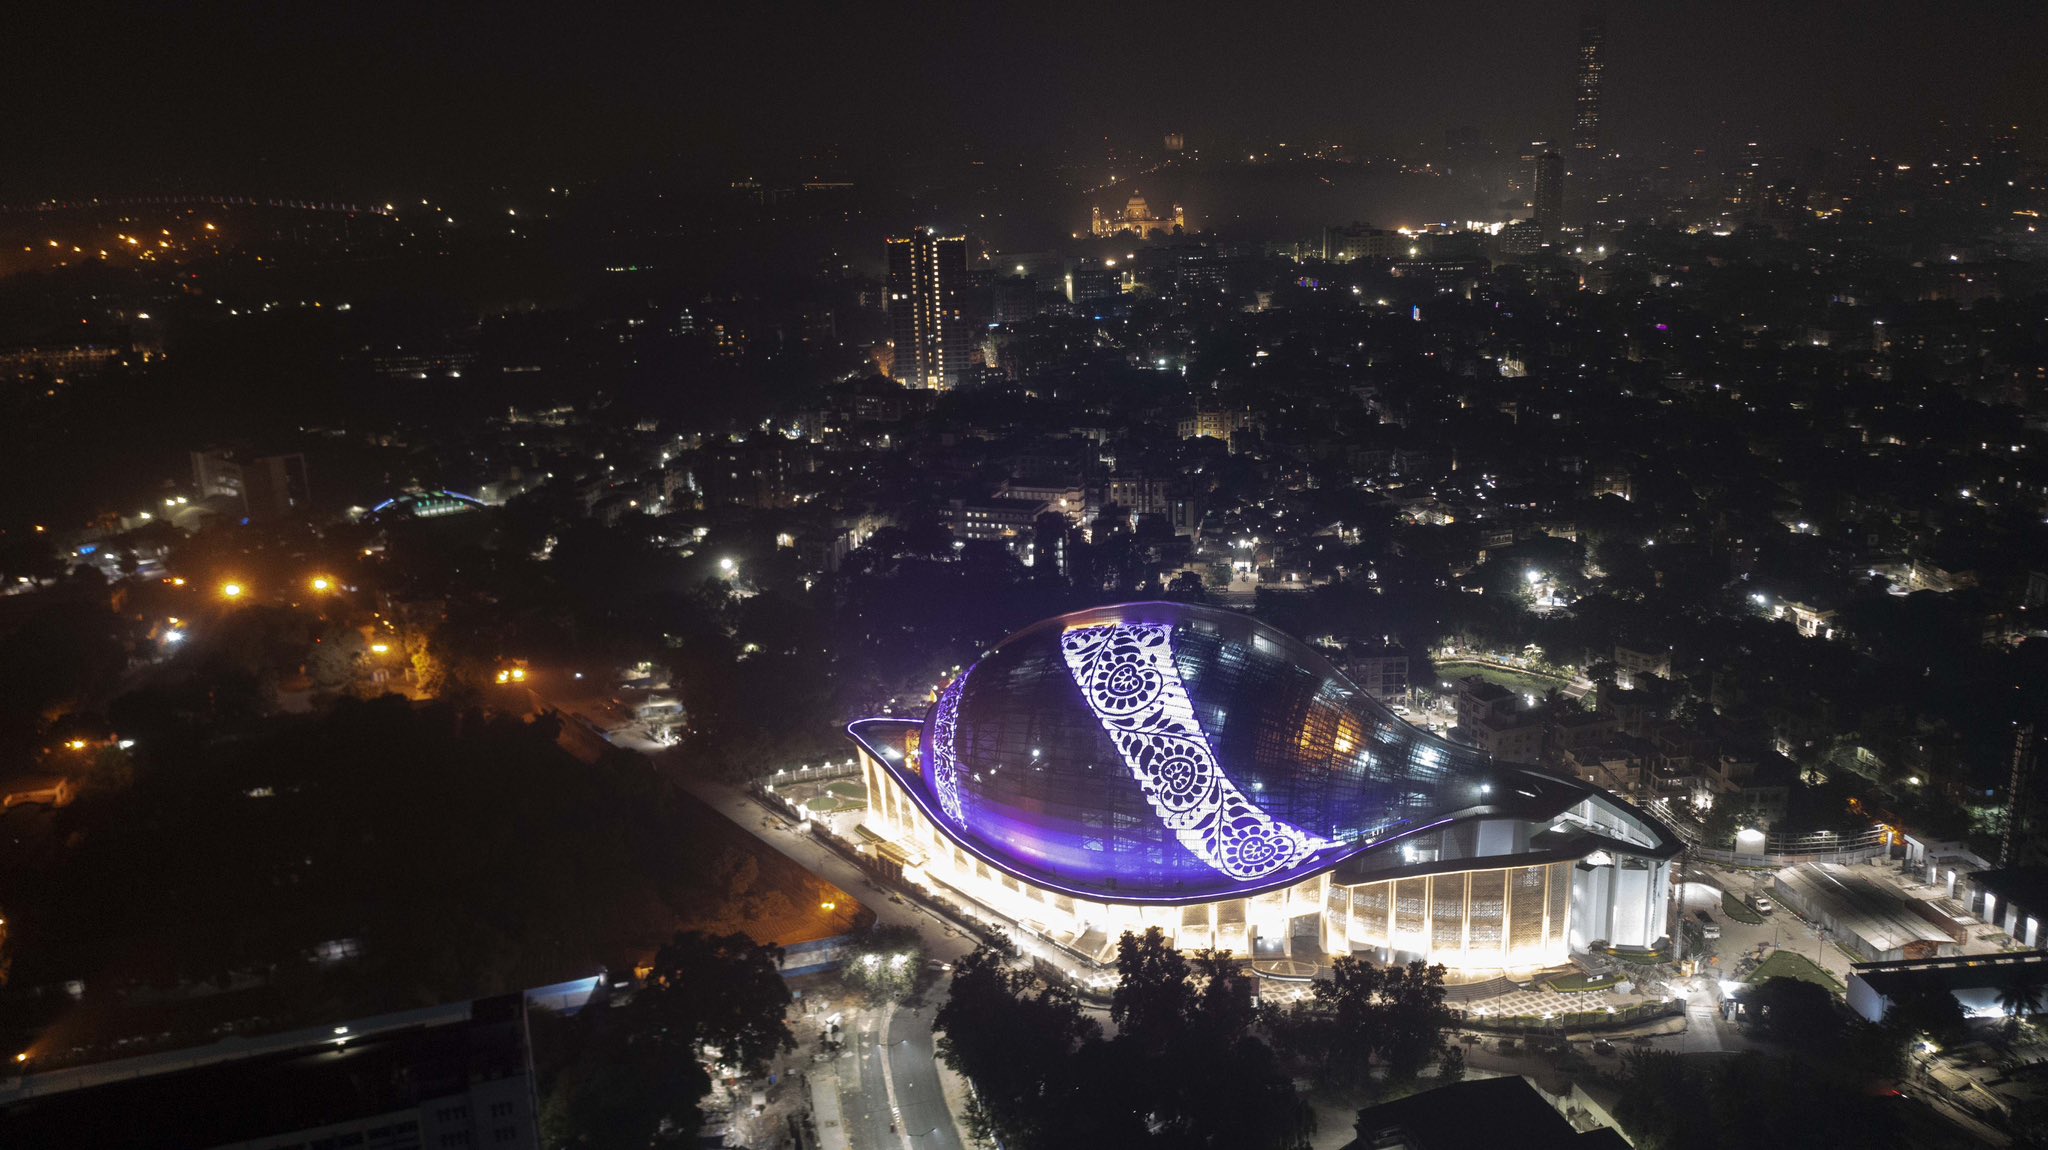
<point>1153,996</point>
<point>1015,1036</point>
<point>1412,1018</point>
<point>2019,995</point>
<point>724,991</point>
<point>884,964</point>
<point>1223,1000</point>
<point>1671,1103</point>
<point>1450,1065</point>
<point>1930,1010</point>
<point>1185,1071</point>
<point>1349,999</point>
<point>1796,1013</point>
<point>634,1070</point>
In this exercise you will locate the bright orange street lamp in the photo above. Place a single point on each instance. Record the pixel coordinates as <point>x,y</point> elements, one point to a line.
<point>231,590</point>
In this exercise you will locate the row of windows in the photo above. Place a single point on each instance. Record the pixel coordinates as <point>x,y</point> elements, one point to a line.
<point>1522,909</point>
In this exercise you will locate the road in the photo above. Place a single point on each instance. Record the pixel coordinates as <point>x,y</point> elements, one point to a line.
<point>894,1080</point>
<point>894,1101</point>
<point>1781,928</point>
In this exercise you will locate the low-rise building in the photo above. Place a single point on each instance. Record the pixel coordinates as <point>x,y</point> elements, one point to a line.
<point>999,520</point>
<point>1629,663</point>
<point>1480,1114</point>
<point>454,1075</point>
<point>2014,899</point>
<point>1864,914</point>
<point>1976,980</point>
<point>49,789</point>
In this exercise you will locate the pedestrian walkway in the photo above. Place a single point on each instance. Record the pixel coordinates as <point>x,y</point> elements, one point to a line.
<point>1534,1003</point>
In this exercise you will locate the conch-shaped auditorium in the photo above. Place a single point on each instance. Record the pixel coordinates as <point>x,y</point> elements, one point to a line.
<point>1190,768</point>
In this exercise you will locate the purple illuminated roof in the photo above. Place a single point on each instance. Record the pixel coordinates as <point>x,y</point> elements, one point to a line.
<point>1168,752</point>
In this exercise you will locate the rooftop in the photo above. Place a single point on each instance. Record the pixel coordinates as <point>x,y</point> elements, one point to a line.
<point>1482,1114</point>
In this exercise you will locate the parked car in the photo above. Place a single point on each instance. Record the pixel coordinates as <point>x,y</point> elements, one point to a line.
<point>1761,904</point>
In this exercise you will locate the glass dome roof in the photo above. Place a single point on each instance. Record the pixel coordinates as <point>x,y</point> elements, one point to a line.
<point>1174,752</point>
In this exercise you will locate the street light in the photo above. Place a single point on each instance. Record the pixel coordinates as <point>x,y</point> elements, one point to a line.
<point>322,584</point>
<point>379,648</point>
<point>231,590</point>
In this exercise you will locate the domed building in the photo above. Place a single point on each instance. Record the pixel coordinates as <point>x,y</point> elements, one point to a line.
<point>1185,767</point>
<point>1137,219</point>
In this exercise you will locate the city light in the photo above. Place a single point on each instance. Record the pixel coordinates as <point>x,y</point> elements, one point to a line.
<point>380,648</point>
<point>322,584</point>
<point>231,590</point>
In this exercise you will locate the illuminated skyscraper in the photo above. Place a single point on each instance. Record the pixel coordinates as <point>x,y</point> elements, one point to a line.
<point>1586,104</point>
<point>1546,187</point>
<point>927,273</point>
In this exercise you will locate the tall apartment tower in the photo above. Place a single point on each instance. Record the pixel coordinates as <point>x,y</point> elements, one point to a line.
<point>1546,187</point>
<point>927,273</point>
<point>1586,101</point>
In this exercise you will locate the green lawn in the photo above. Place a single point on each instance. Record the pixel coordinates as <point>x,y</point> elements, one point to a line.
<point>1786,964</point>
<point>1738,910</point>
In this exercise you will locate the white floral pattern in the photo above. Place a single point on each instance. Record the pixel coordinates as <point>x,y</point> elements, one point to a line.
<point>1126,674</point>
<point>945,767</point>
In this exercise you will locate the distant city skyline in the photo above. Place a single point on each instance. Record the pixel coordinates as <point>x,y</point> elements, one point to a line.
<point>301,97</point>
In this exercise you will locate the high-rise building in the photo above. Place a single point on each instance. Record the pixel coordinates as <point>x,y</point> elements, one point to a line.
<point>275,487</point>
<point>1586,102</point>
<point>927,273</point>
<point>1546,188</point>
<point>266,488</point>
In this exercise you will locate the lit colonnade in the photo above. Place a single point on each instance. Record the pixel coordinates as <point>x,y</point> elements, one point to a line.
<point>1179,766</point>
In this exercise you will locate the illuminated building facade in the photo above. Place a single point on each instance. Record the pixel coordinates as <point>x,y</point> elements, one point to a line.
<point>1586,94</point>
<point>927,274</point>
<point>1546,189</point>
<point>1185,767</point>
<point>1137,219</point>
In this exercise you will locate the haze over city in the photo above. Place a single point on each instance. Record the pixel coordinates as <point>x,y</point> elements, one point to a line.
<point>943,576</point>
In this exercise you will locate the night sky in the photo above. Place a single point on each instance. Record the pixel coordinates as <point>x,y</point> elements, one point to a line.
<point>343,97</point>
